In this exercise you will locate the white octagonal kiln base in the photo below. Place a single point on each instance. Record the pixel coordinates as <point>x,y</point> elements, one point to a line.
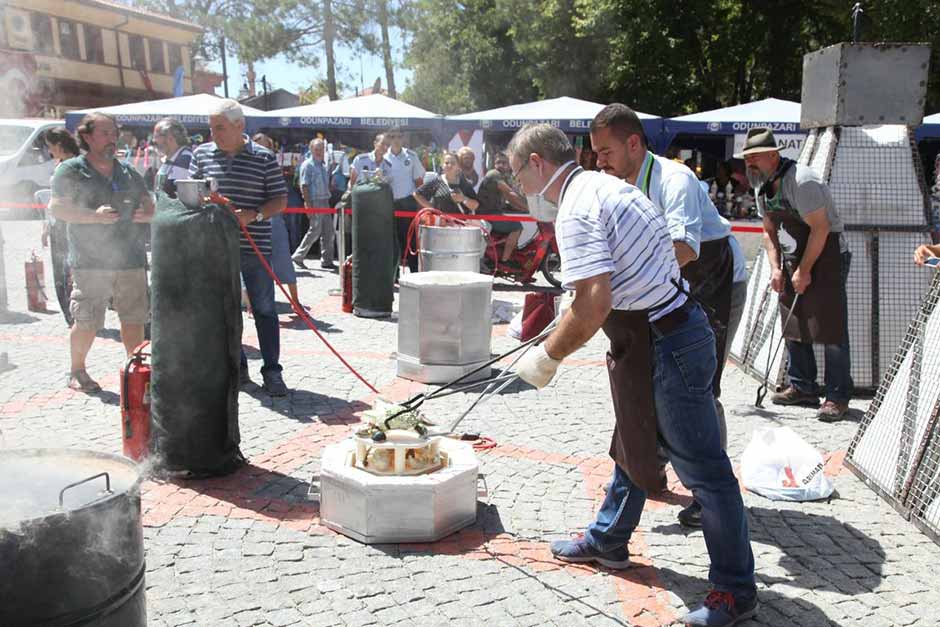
<point>410,368</point>
<point>388,509</point>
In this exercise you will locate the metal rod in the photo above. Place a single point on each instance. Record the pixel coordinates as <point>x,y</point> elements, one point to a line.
<point>762,390</point>
<point>857,12</point>
<point>470,386</point>
<point>341,246</point>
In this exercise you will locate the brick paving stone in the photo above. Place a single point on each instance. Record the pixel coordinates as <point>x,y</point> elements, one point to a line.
<point>253,553</point>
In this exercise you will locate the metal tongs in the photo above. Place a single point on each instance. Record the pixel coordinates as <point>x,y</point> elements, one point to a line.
<point>772,357</point>
<point>494,385</point>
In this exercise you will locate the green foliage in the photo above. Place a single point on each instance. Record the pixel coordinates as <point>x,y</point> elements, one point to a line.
<point>667,57</point>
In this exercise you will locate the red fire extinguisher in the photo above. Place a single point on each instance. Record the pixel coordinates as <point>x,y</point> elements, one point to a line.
<point>347,285</point>
<point>35,284</point>
<point>135,403</point>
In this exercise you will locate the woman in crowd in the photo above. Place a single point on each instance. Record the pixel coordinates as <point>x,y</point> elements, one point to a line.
<point>451,192</point>
<point>280,244</point>
<point>61,146</point>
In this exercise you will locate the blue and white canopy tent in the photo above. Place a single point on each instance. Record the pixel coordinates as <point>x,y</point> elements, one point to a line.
<point>191,111</point>
<point>571,115</point>
<point>732,123</point>
<point>374,112</point>
<point>929,128</point>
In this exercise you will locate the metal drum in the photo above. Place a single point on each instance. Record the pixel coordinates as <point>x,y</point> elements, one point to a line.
<point>450,248</point>
<point>71,542</point>
<point>444,325</point>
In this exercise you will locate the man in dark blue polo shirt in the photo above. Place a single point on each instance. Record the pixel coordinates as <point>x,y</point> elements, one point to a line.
<point>250,177</point>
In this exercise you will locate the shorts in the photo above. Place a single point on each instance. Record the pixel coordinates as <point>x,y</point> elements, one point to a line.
<point>505,227</point>
<point>94,290</point>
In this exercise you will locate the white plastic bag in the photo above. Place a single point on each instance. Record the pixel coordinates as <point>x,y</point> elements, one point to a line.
<point>781,466</point>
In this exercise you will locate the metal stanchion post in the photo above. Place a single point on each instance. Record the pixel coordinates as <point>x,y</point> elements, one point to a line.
<point>341,250</point>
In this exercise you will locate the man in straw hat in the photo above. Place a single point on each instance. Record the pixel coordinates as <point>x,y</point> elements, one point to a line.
<point>809,257</point>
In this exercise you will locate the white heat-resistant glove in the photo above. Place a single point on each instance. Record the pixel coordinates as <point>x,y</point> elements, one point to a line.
<point>536,367</point>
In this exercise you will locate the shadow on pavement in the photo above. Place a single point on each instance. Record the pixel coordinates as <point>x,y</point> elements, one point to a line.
<point>819,552</point>
<point>16,317</point>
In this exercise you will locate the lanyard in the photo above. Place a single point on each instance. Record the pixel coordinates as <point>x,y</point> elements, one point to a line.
<point>647,173</point>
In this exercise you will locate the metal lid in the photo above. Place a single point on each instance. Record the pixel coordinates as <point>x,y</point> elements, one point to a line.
<point>441,278</point>
<point>39,482</point>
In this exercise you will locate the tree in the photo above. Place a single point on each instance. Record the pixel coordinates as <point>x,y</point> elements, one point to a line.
<point>463,57</point>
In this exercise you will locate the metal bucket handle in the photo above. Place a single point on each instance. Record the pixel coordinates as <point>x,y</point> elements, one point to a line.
<point>107,482</point>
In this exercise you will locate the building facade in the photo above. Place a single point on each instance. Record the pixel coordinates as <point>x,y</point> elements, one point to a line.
<point>58,55</point>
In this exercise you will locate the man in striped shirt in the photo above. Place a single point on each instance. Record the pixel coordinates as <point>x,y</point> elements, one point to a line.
<point>617,254</point>
<point>250,177</point>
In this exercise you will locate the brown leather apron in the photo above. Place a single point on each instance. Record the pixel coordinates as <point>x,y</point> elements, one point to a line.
<point>710,280</point>
<point>630,368</point>
<point>818,317</point>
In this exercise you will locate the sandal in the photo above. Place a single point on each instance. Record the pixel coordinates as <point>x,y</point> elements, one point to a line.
<point>80,381</point>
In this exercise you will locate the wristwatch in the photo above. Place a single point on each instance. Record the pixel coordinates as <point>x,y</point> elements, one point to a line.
<point>259,216</point>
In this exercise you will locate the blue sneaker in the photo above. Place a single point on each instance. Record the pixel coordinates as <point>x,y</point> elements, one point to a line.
<point>579,551</point>
<point>721,609</point>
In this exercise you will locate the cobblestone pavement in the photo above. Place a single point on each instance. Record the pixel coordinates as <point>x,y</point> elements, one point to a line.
<point>249,549</point>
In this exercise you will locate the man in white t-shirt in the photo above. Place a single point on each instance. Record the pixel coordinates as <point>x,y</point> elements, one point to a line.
<point>617,255</point>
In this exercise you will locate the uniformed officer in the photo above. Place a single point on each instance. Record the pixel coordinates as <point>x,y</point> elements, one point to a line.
<point>369,164</point>
<point>406,174</point>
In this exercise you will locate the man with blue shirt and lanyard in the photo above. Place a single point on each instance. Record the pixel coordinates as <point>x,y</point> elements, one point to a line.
<point>406,174</point>
<point>250,177</point>
<point>617,254</point>
<point>700,236</point>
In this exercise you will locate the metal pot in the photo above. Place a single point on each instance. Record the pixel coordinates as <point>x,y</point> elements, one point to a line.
<point>71,542</point>
<point>191,192</point>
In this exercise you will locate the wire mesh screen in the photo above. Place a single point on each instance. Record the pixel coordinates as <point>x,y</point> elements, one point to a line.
<point>896,448</point>
<point>875,177</point>
<point>759,330</point>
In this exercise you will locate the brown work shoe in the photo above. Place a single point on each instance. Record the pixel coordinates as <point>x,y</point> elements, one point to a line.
<point>793,396</point>
<point>831,411</point>
<point>80,381</point>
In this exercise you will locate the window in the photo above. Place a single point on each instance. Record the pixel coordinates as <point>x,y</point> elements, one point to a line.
<point>175,53</point>
<point>94,44</point>
<point>68,39</point>
<point>157,63</point>
<point>138,58</point>
<point>42,34</point>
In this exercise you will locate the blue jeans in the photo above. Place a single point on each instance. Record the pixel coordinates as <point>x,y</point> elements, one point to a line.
<point>260,288</point>
<point>683,366</point>
<point>838,376</point>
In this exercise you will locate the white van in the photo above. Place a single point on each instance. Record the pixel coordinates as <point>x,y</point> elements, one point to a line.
<point>25,163</point>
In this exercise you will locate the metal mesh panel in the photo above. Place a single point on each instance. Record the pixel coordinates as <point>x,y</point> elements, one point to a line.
<point>809,147</point>
<point>821,160</point>
<point>896,448</point>
<point>875,178</point>
<point>759,330</point>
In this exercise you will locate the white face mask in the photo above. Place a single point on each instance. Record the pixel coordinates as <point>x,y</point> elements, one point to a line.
<point>540,207</point>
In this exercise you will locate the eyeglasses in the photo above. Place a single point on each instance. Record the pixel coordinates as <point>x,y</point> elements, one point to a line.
<point>516,174</point>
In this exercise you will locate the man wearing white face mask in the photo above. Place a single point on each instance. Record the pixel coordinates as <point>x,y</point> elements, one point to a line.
<point>617,255</point>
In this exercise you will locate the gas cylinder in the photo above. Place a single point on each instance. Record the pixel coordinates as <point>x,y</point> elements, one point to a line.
<point>35,284</point>
<point>135,403</point>
<point>347,285</point>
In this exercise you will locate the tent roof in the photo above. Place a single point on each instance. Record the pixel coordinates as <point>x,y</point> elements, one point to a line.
<point>563,108</point>
<point>192,109</point>
<point>932,119</point>
<point>767,110</point>
<point>372,106</point>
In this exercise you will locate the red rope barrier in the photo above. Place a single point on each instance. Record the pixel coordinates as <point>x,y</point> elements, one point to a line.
<point>221,200</point>
<point>400,214</point>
